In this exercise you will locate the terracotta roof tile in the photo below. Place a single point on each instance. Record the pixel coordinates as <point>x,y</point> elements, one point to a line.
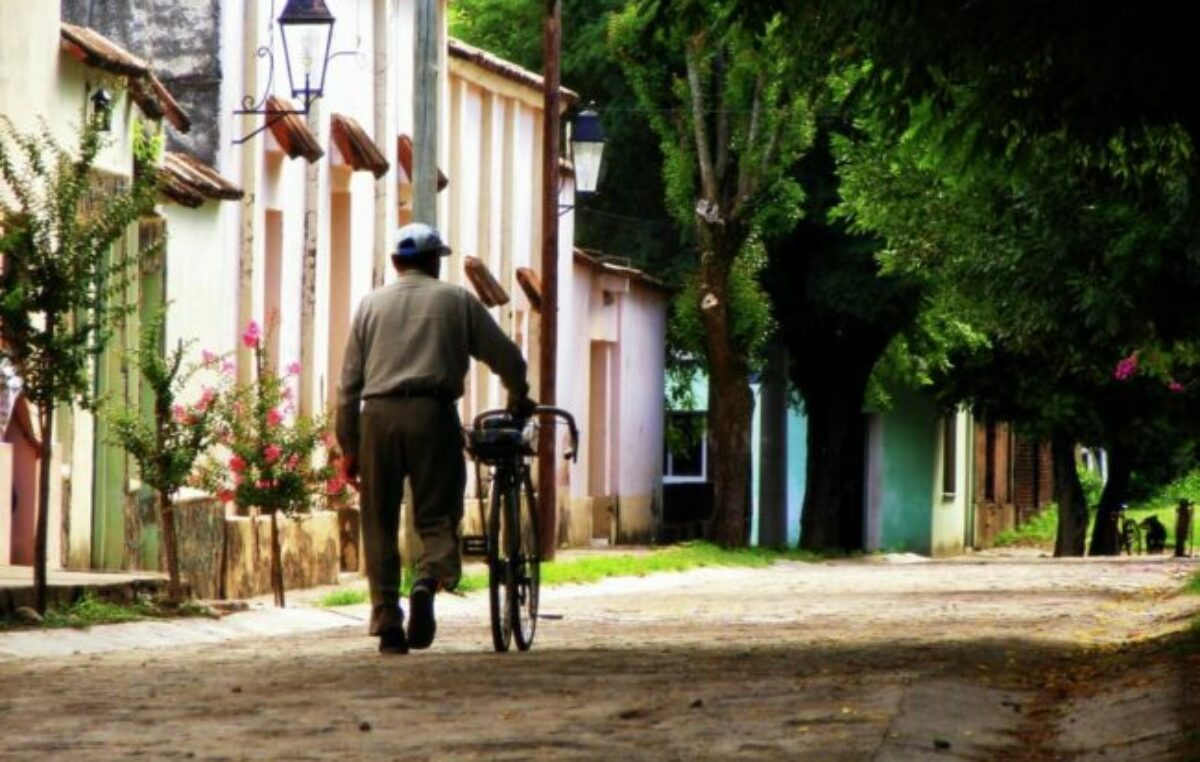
<point>404,152</point>
<point>489,291</point>
<point>507,69</point>
<point>291,132</point>
<point>356,147</point>
<point>190,182</point>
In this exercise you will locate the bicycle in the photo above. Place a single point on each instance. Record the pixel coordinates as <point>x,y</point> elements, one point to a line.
<point>505,443</point>
<point>1129,534</point>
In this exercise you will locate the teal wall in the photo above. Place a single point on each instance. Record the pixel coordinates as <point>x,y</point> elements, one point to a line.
<point>797,444</point>
<point>910,457</point>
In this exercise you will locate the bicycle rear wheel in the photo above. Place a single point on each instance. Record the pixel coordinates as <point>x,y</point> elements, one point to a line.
<point>500,568</point>
<point>526,561</point>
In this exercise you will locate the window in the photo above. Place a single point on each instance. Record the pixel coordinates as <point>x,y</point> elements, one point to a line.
<point>949,455</point>
<point>686,448</point>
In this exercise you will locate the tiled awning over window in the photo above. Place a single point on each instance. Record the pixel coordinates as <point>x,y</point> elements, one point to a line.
<point>188,181</point>
<point>356,147</point>
<point>290,131</point>
<point>531,284</point>
<point>404,151</point>
<point>94,49</point>
<point>489,291</point>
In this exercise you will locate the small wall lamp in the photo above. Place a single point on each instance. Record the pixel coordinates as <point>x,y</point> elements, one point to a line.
<point>102,109</point>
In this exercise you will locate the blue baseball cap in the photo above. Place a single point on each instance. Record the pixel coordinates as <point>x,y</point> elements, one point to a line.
<point>416,239</point>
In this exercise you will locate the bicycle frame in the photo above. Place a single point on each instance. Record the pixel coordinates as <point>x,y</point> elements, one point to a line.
<point>500,440</point>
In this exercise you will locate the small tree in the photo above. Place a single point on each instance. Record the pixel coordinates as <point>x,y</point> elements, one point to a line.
<point>271,461</point>
<point>167,445</point>
<point>59,272</point>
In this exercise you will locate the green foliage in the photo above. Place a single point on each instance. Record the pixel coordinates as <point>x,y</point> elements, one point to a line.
<point>1093,486</point>
<point>269,454</point>
<point>167,445</point>
<point>61,269</point>
<point>1039,531</point>
<point>750,309</point>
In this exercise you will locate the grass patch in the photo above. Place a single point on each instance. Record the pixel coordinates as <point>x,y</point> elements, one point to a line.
<point>342,597</point>
<point>593,568</point>
<point>1038,531</point>
<point>1042,528</point>
<point>89,611</point>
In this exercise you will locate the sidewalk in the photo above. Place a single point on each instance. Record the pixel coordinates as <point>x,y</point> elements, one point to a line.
<point>16,585</point>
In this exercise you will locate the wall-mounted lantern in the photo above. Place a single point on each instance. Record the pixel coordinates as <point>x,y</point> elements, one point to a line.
<point>102,108</point>
<point>306,27</point>
<point>587,150</point>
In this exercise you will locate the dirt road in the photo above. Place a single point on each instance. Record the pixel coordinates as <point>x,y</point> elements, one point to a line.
<point>981,659</point>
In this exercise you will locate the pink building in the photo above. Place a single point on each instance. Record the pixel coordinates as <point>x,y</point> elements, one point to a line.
<point>612,318</point>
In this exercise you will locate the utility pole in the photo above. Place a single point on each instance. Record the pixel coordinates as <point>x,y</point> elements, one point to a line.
<point>548,356</point>
<point>425,110</point>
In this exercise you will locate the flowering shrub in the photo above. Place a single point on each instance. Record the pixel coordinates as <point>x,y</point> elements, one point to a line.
<point>1126,368</point>
<point>166,443</point>
<point>270,457</point>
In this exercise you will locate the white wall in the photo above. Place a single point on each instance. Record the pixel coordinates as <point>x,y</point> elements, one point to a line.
<point>29,60</point>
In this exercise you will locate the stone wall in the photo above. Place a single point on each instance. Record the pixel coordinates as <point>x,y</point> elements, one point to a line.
<point>309,547</point>
<point>230,556</point>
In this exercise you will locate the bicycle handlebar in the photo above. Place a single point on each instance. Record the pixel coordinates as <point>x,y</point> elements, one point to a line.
<point>571,453</point>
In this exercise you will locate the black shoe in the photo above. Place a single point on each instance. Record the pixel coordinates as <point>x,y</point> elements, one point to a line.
<point>393,642</point>
<point>421,624</point>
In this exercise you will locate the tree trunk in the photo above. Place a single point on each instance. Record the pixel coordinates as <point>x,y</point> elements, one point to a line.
<point>276,561</point>
<point>42,528</point>
<point>773,452</point>
<point>1104,534</point>
<point>730,407</point>
<point>170,548</point>
<point>1068,493</point>
<point>834,492</point>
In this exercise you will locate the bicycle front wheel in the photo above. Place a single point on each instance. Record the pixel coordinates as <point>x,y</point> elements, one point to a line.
<point>500,568</point>
<point>526,562</point>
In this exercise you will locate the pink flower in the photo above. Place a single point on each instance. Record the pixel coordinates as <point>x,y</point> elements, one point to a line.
<point>207,395</point>
<point>293,461</point>
<point>252,335</point>
<point>1126,368</point>
<point>180,414</point>
<point>208,358</point>
<point>294,369</point>
<point>228,368</point>
<point>286,394</point>
<point>1175,387</point>
<point>237,464</point>
<point>272,452</point>
<point>274,417</point>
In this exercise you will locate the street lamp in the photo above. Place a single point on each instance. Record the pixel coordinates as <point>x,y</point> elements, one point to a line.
<point>307,30</point>
<point>587,150</point>
<point>306,27</point>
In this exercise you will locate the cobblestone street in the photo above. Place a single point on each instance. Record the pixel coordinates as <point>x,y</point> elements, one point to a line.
<point>997,658</point>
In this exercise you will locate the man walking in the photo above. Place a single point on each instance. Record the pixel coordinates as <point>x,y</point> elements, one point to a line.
<point>405,361</point>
